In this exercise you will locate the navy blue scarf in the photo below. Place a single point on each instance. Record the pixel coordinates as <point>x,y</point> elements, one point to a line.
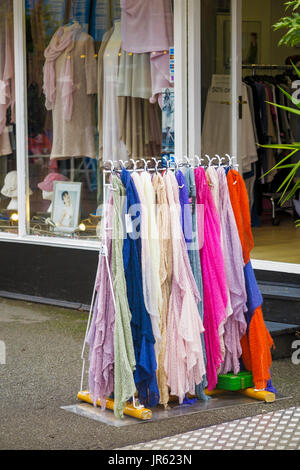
<point>143,339</point>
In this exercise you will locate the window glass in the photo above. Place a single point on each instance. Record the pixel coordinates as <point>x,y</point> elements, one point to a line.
<point>100,88</point>
<point>216,98</point>
<point>8,166</point>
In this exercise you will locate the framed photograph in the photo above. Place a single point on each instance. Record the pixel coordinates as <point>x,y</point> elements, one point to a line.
<point>66,206</point>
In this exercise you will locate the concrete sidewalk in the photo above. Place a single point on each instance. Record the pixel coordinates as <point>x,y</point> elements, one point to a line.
<point>42,373</point>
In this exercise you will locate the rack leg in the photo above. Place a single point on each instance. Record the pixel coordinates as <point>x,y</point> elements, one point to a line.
<point>263,395</point>
<point>140,413</point>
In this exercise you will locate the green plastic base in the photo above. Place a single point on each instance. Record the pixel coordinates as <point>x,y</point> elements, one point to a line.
<point>235,382</point>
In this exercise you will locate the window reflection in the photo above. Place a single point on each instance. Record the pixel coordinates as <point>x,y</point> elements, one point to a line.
<point>99,86</point>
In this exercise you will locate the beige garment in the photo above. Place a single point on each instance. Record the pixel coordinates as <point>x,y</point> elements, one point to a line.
<point>165,272</point>
<point>5,145</point>
<point>104,43</point>
<point>135,75</point>
<point>140,127</point>
<point>155,129</point>
<point>76,138</point>
<point>131,125</point>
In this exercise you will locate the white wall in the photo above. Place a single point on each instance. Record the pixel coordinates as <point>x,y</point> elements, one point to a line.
<point>269,12</point>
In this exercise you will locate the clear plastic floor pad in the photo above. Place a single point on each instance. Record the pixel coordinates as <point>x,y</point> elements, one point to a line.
<point>227,399</point>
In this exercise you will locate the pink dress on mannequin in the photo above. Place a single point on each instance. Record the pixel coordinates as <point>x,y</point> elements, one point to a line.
<point>213,272</point>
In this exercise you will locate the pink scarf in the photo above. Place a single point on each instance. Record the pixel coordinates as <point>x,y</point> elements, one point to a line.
<point>7,83</point>
<point>184,362</point>
<point>213,272</point>
<point>60,42</point>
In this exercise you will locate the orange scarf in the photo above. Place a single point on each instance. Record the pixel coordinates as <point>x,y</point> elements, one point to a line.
<point>257,345</point>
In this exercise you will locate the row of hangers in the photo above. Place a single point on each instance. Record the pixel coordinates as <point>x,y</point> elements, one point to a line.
<point>175,164</point>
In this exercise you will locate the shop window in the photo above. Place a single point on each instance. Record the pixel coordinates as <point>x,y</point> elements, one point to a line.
<point>99,74</point>
<point>8,166</point>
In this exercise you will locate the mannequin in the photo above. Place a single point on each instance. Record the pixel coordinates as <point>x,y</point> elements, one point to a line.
<point>48,196</point>
<point>10,189</point>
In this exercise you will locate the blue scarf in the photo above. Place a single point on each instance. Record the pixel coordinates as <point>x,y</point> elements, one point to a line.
<point>141,328</point>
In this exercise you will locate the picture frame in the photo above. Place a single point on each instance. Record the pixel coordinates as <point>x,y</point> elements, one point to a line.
<point>251,42</point>
<point>66,206</point>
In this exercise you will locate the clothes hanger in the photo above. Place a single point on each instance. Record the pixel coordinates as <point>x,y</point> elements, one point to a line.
<point>122,164</point>
<point>229,159</point>
<point>145,164</point>
<point>156,164</point>
<point>199,160</point>
<point>219,159</point>
<point>188,162</point>
<point>208,160</point>
<point>112,166</point>
<point>134,163</point>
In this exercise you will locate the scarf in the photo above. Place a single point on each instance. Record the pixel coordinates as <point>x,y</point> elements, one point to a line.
<point>60,42</point>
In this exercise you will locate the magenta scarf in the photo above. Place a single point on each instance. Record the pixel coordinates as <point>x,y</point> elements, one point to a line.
<point>213,272</point>
<point>60,42</point>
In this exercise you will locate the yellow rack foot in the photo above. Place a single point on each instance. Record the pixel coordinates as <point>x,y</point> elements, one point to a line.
<point>215,391</point>
<point>139,413</point>
<point>262,395</point>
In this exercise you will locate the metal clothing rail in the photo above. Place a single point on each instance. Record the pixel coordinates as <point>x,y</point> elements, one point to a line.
<point>136,409</point>
<point>253,67</point>
<point>193,162</point>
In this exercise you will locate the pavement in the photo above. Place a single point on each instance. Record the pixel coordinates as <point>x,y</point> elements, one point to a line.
<point>42,374</point>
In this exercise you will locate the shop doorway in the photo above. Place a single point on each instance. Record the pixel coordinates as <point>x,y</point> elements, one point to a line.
<point>240,66</point>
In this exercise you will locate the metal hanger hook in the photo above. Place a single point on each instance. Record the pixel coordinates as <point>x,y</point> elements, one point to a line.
<point>134,163</point>
<point>112,166</point>
<point>145,164</point>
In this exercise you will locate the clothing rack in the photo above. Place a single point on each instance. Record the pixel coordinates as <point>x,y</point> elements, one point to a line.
<point>135,409</point>
<point>253,67</point>
<point>193,162</point>
<point>186,161</point>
